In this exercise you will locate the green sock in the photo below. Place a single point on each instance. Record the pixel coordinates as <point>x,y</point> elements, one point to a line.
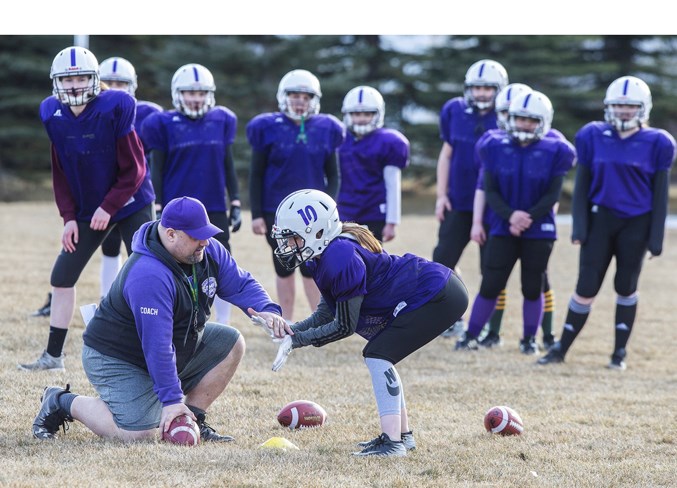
<point>548,311</point>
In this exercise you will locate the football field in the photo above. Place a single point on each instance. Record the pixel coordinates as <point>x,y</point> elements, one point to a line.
<point>584,425</point>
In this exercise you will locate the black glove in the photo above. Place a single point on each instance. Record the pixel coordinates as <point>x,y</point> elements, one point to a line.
<point>235,218</point>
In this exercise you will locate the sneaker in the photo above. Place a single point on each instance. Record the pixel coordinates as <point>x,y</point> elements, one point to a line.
<point>467,343</point>
<point>407,439</point>
<point>553,356</point>
<point>51,416</point>
<point>456,330</point>
<point>490,340</point>
<point>617,362</point>
<point>46,309</point>
<point>528,345</point>
<point>548,341</point>
<point>46,362</point>
<point>207,432</point>
<point>383,446</point>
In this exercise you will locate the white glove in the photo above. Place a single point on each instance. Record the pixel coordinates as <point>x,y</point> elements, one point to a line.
<point>264,325</point>
<point>282,352</point>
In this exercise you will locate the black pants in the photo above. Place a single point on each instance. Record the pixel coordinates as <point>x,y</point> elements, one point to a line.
<point>452,238</point>
<point>608,236</point>
<point>69,265</point>
<point>411,331</point>
<point>502,252</point>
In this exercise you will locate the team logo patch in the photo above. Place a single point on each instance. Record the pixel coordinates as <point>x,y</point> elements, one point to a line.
<point>209,287</point>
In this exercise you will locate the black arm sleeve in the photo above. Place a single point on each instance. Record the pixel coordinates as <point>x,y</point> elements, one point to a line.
<point>258,166</point>
<point>580,206</point>
<point>549,198</point>
<point>494,198</point>
<point>156,159</point>
<point>659,211</point>
<point>331,169</point>
<point>232,185</point>
<point>342,326</point>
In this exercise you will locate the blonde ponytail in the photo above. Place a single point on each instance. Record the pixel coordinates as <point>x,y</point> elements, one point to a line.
<point>363,236</point>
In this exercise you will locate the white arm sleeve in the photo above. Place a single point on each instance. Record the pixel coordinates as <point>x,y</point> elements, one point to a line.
<point>393,178</point>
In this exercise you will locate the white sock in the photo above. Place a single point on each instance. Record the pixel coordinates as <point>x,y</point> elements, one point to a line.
<point>109,270</point>
<point>387,386</point>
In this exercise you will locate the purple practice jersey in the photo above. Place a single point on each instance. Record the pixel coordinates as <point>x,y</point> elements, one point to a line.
<point>293,163</point>
<point>86,147</point>
<point>195,151</point>
<point>523,175</point>
<point>143,110</point>
<point>391,285</point>
<point>461,127</point>
<point>362,197</point>
<point>622,170</point>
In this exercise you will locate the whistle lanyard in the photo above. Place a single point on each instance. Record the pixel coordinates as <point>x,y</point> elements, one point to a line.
<point>194,296</point>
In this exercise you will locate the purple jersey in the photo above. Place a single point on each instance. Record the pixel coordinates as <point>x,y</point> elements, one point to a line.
<point>523,175</point>
<point>461,127</point>
<point>86,147</point>
<point>622,170</point>
<point>391,285</point>
<point>291,163</point>
<point>195,152</point>
<point>362,197</point>
<point>143,110</point>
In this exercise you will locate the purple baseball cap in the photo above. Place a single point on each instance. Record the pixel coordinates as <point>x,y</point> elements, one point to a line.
<point>189,215</point>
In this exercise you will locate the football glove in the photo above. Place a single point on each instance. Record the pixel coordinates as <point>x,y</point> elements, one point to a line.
<point>235,218</point>
<point>264,325</point>
<point>282,352</point>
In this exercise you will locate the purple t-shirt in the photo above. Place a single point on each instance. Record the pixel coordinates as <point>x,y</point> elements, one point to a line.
<point>461,127</point>
<point>523,176</point>
<point>87,151</point>
<point>622,170</point>
<point>391,285</point>
<point>293,162</point>
<point>362,197</point>
<point>195,152</point>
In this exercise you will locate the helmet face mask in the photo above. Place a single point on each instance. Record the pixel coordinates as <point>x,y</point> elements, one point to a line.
<point>622,93</point>
<point>363,99</point>
<point>299,81</point>
<point>306,221</point>
<point>119,74</point>
<point>484,73</point>
<point>193,78</point>
<point>68,72</point>
<point>530,105</point>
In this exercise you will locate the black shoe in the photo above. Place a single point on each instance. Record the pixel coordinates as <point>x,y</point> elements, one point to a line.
<point>617,362</point>
<point>46,309</point>
<point>383,446</point>
<point>407,439</point>
<point>51,416</point>
<point>553,356</point>
<point>467,343</point>
<point>528,345</point>
<point>490,340</point>
<point>548,341</point>
<point>207,432</point>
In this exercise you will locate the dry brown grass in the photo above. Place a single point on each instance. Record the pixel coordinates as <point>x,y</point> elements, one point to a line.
<point>586,426</point>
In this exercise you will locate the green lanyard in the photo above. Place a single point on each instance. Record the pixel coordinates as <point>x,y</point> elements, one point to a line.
<point>193,289</point>
<point>301,137</point>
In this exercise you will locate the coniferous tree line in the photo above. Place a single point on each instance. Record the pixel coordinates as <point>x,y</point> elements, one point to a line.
<point>573,71</point>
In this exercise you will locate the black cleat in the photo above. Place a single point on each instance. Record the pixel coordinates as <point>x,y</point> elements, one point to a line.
<point>51,416</point>
<point>617,362</point>
<point>207,432</point>
<point>383,446</point>
<point>548,341</point>
<point>46,309</point>
<point>492,339</point>
<point>407,439</point>
<point>528,345</point>
<point>554,355</point>
<point>467,343</point>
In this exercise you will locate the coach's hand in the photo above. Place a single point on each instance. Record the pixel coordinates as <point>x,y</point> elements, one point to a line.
<point>235,217</point>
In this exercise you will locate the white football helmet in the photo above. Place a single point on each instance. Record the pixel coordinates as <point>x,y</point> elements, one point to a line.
<point>363,99</point>
<point>503,99</point>
<point>485,72</point>
<point>306,221</point>
<point>193,77</point>
<point>627,90</point>
<point>299,81</point>
<point>119,69</point>
<point>75,61</point>
<point>534,105</point>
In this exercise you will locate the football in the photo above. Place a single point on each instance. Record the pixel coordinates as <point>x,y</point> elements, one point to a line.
<point>183,430</point>
<point>301,414</point>
<point>504,421</point>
